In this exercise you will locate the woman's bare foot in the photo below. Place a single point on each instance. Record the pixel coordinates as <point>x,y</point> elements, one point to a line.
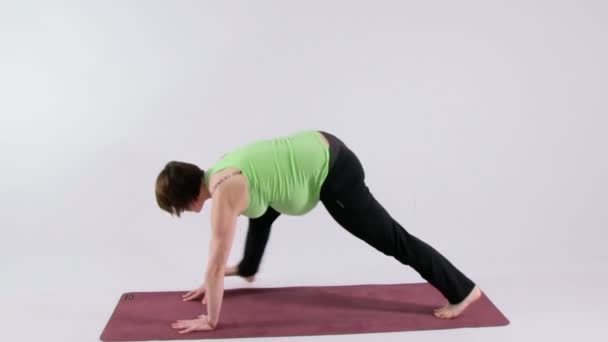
<point>454,310</point>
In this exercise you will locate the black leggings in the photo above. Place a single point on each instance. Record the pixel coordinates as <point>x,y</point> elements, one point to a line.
<point>350,202</point>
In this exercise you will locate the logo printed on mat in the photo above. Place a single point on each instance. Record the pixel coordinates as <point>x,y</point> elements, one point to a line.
<point>129,297</point>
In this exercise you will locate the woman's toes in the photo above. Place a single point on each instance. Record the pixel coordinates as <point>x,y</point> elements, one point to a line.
<point>444,313</point>
<point>441,309</point>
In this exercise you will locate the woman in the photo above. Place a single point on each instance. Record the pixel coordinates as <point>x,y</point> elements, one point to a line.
<point>290,175</point>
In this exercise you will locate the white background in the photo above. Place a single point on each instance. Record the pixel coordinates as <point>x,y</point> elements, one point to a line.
<point>481,126</point>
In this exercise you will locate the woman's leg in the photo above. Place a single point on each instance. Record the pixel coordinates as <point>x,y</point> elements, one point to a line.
<point>350,202</point>
<point>258,233</point>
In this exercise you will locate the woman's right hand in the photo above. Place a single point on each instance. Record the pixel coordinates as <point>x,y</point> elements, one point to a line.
<point>195,294</point>
<point>200,292</point>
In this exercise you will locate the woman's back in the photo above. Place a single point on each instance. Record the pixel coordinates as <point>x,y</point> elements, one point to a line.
<point>285,172</point>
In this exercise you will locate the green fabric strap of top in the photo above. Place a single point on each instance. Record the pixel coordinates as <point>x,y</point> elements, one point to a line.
<point>285,173</point>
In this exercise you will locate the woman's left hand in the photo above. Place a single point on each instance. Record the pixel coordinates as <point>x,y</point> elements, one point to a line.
<point>190,325</point>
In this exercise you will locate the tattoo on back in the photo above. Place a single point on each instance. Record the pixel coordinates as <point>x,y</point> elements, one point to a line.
<point>223,179</point>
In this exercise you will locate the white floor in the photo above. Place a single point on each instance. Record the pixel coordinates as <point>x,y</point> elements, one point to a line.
<point>65,298</point>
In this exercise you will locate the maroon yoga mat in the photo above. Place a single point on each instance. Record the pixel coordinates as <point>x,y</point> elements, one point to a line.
<point>295,311</point>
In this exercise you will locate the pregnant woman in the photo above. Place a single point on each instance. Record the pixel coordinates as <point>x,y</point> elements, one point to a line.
<point>289,175</point>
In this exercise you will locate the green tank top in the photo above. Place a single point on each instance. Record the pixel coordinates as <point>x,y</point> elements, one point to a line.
<point>285,173</point>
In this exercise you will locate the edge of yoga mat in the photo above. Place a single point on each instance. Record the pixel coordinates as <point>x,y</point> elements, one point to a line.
<point>502,320</point>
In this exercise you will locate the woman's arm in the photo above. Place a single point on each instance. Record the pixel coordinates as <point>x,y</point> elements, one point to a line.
<point>227,204</point>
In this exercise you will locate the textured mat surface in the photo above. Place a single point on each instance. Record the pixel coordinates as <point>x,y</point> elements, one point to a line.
<point>295,311</point>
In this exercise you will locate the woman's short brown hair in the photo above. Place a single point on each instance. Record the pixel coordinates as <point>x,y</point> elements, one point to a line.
<point>178,185</point>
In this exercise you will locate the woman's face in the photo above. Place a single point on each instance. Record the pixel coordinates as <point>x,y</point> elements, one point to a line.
<point>197,205</point>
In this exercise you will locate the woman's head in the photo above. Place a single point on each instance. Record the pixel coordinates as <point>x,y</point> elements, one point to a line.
<point>178,188</point>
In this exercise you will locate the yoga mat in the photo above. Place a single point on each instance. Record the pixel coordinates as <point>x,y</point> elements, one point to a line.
<point>295,311</point>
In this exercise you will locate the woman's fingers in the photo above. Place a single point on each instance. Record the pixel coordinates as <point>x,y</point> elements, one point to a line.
<point>191,293</point>
<point>191,297</point>
<point>194,294</point>
<point>190,325</point>
<point>178,325</point>
<point>187,330</point>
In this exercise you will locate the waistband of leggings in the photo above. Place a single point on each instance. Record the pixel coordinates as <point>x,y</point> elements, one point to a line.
<point>334,147</point>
